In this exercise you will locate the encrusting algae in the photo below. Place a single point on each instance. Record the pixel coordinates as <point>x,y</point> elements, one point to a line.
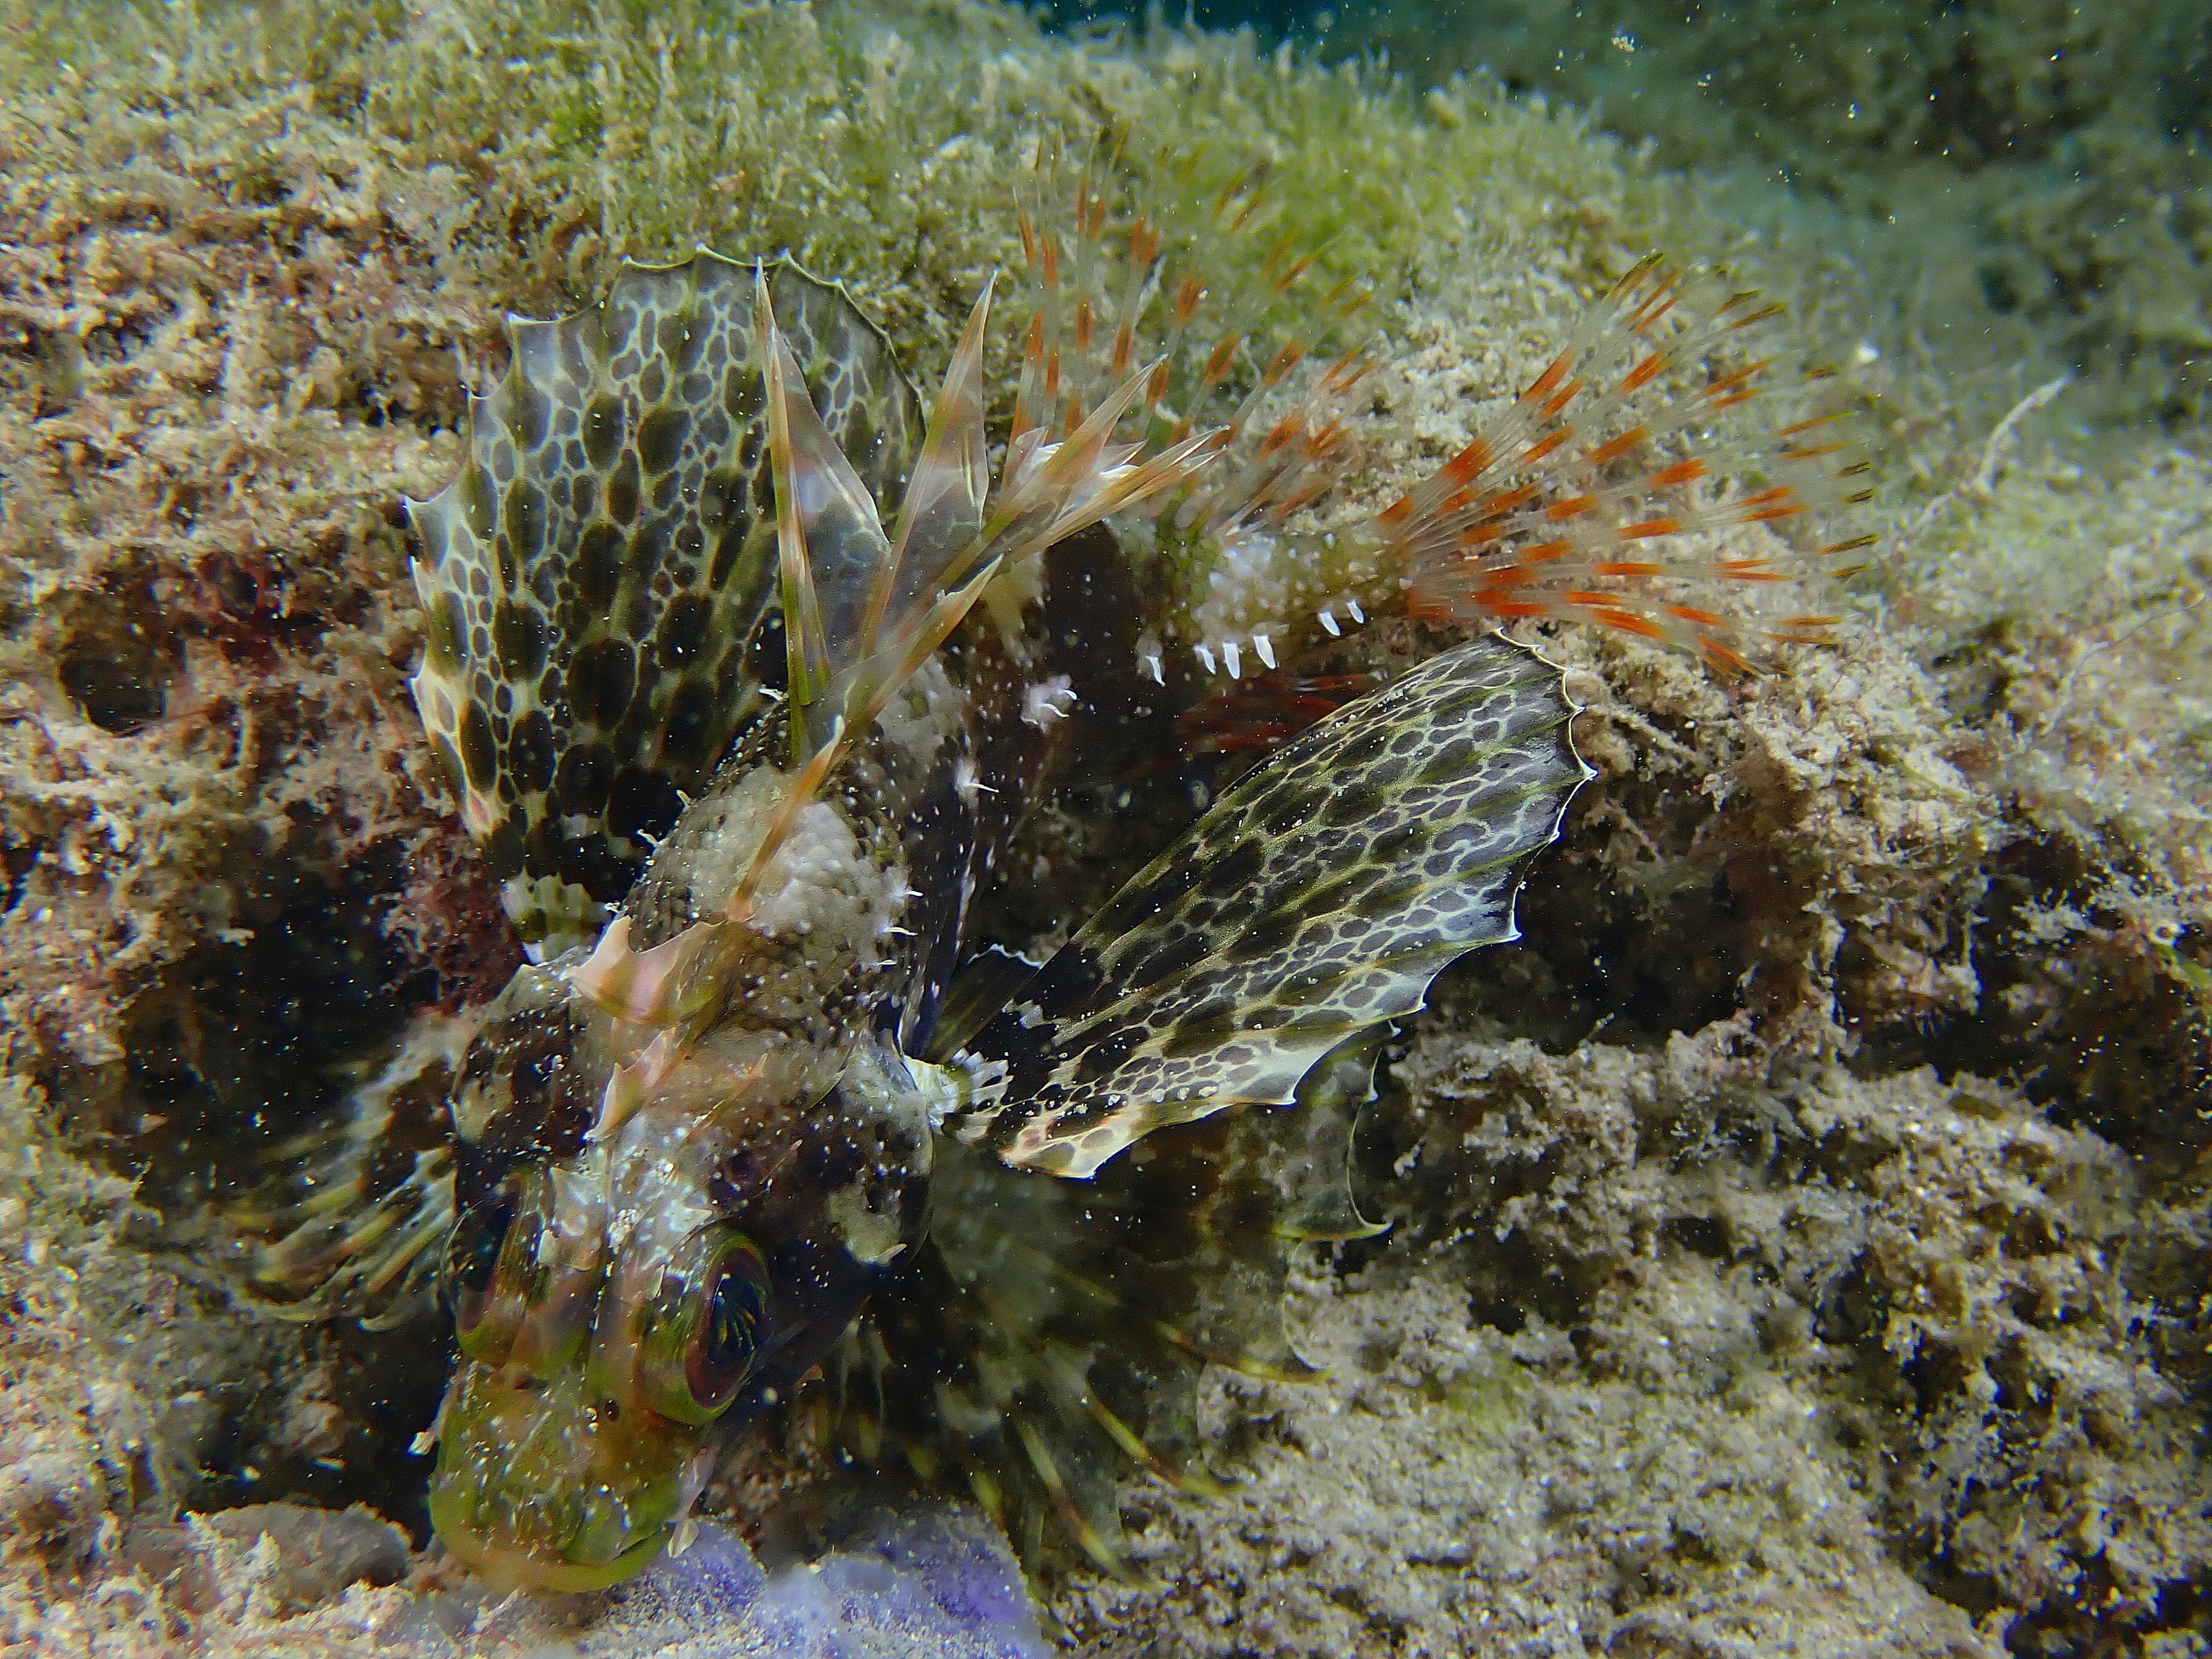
<point>1016,1177</point>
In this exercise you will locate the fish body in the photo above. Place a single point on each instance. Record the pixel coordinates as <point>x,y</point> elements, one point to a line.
<point>689,1226</point>
<point>744,670</point>
<point>719,1237</point>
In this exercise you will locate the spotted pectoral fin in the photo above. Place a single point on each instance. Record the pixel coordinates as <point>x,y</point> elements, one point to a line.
<point>600,579</point>
<point>1315,901</point>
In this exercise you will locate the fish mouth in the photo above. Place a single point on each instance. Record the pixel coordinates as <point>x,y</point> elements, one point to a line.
<point>512,1566</point>
<point>535,1489</point>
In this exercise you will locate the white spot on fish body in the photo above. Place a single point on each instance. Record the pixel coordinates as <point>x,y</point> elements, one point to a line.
<point>1044,704</point>
<point>967,783</point>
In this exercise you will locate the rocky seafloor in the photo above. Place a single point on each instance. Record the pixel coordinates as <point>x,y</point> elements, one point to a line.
<point>1800,1237</point>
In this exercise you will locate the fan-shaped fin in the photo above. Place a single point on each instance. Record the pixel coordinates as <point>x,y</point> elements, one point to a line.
<point>1045,1342</point>
<point>1315,901</point>
<point>600,578</point>
<point>358,1208</point>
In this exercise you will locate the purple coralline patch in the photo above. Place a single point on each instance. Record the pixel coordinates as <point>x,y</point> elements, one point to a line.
<point>936,1582</point>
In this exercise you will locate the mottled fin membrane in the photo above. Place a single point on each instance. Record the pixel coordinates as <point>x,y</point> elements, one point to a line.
<point>1047,1340</point>
<point>1314,902</point>
<point>355,1217</point>
<point>600,579</point>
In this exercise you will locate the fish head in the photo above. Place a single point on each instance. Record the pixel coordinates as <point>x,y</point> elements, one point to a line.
<point>623,1317</point>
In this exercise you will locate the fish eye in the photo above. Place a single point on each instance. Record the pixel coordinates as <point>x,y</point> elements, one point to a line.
<point>705,1337</point>
<point>485,1319</point>
<point>728,1337</point>
<point>472,1255</point>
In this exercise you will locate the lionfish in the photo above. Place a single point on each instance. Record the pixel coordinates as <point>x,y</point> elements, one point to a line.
<point>743,669</point>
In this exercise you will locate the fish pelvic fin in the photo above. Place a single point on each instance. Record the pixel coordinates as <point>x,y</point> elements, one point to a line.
<point>1045,1344</point>
<point>354,1213</point>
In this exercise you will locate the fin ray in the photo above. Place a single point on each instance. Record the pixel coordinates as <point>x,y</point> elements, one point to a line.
<point>943,511</point>
<point>832,550</point>
<point>354,1212</point>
